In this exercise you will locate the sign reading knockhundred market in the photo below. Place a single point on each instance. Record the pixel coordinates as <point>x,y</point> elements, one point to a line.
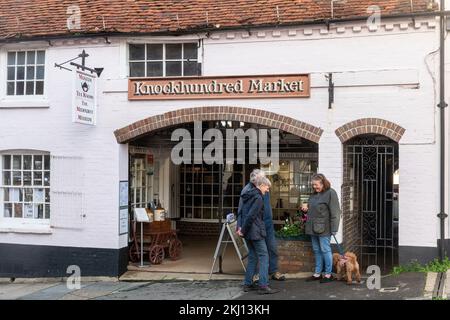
<point>236,87</point>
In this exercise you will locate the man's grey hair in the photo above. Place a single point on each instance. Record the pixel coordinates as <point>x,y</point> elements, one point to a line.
<point>262,180</point>
<point>255,174</point>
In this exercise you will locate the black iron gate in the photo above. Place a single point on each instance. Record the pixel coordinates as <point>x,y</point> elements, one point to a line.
<point>371,163</point>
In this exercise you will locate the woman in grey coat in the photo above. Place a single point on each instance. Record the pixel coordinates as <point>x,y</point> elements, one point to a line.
<point>323,220</point>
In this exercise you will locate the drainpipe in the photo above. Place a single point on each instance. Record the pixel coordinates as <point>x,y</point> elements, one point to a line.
<point>442,105</point>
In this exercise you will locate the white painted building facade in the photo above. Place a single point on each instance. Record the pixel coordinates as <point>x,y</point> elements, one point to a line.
<point>387,72</point>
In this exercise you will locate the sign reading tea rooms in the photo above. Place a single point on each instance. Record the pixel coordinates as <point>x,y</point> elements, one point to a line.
<point>235,87</point>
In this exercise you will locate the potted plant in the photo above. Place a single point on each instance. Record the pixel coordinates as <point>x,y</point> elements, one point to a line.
<point>293,229</point>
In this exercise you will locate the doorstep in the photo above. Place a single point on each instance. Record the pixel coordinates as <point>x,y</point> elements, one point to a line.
<point>56,280</point>
<point>145,274</point>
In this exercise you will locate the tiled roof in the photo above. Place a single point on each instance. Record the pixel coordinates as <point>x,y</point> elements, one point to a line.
<point>35,18</point>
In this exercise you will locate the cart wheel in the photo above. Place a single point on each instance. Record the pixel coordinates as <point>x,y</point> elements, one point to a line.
<point>156,254</point>
<point>175,249</point>
<point>133,253</point>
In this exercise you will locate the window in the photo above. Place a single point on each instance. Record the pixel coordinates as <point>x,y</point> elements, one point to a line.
<point>291,185</point>
<point>25,73</point>
<point>25,186</point>
<point>163,60</point>
<point>200,194</point>
<point>142,180</point>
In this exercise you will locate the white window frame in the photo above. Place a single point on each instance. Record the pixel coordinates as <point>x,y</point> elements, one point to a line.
<point>164,60</point>
<point>11,222</point>
<point>25,66</point>
<point>24,101</point>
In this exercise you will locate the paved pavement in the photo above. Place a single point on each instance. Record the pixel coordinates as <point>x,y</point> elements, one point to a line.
<point>403,286</point>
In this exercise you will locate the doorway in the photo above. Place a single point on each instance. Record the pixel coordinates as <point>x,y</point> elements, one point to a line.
<point>370,200</point>
<point>198,196</point>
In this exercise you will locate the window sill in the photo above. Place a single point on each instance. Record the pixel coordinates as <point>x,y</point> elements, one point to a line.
<point>24,103</point>
<point>26,228</point>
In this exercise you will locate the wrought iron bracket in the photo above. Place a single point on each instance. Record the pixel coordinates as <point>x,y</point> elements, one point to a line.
<point>330,90</point>
<point>442,215</point>
<point>83,55</point>
<point>442,105</point>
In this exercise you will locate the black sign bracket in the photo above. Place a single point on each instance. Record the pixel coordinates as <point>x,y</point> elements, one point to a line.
<point>83,55</point>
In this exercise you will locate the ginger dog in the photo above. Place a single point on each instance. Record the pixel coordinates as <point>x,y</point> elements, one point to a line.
<point>346,266</point>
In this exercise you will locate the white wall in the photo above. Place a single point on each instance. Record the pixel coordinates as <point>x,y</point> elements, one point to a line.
<point>377,74</point>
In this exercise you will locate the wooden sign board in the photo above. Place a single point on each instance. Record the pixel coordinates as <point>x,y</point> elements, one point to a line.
<point>234,87</point>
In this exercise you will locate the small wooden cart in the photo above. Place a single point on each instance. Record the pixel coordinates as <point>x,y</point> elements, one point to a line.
<point>158,238</point>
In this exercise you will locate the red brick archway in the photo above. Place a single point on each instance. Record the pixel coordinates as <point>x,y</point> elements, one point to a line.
<point>180,116</point>
<point>370,125</point>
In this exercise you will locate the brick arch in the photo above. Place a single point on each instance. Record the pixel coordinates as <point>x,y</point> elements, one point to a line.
<point>266,118</point>
<point>370,125</point>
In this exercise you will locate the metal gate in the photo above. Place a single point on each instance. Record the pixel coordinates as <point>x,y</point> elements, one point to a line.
<point>371,163</point>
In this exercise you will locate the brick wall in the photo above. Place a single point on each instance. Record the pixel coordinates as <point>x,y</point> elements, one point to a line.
<point>295,256</point>
<point>351,221</point>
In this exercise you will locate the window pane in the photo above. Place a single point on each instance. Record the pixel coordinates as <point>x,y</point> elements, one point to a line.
<point>10,89</point>
<point>27,162</point>
<point>7,210</point>
<point>47,195</point>
<point>11,73</point>
<point>47,178</point>
<point>47,162</point>
<point>154,52</point>
<point>137,69</point>
<point>11,58</point>
<point>17,178</point>
<point>27,178</point>
<point>29,88</point>
<point>7,162</point>
<point>40,72</point>
<point>28,195</point>
<point>37,178</point>
<point>21,58</point>
<point>190,51</point>
<point>154,69</point>
<point>173,68</point>
<point>47,211</point>
<point>28,211</point>
<point>30,73</point>
<point>39,211</point>
<point>20,88</point>
<point>17,162</point>
<point>37,163</point>
<point>39,87</point>
<point>173,51</point>
<point>31,57</point>
<point>17,210</point>
<point>40,57</point>
<point>190,68</point>
<point>38,195</point>
<point>7,178</point>
<point>137,52</point>
<point>20,73</point>
<point>6,194</point>
<point>15,195</point>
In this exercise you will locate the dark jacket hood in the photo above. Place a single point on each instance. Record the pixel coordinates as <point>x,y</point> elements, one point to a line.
<point>249,192</point>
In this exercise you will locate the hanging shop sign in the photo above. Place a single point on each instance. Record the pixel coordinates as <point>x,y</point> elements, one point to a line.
<point>84,108</point>
<point>235,87</point>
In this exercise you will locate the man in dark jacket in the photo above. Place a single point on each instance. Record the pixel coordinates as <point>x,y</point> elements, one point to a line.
<point>252,228</point>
